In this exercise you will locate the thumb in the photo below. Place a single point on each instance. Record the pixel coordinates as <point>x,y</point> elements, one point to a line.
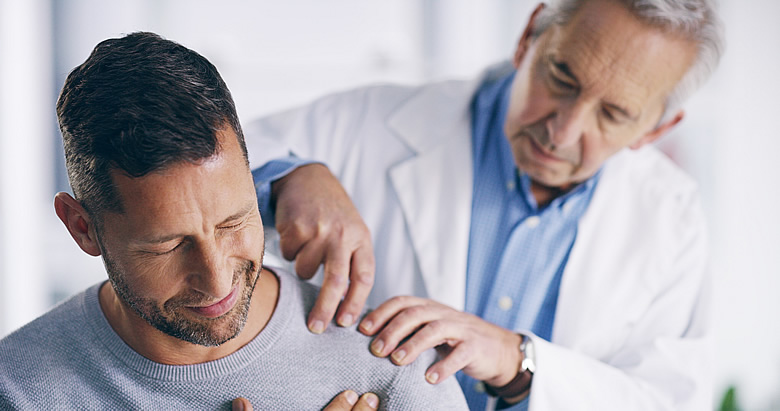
<point>241,404</point>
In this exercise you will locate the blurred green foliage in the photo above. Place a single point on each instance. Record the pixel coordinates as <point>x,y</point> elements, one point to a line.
<point>729,402</point>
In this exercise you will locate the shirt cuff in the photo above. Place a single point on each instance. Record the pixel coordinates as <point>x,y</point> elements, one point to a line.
<point>267,174</point>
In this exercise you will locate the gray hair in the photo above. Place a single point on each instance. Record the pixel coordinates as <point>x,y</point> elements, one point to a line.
<point>694,20</point>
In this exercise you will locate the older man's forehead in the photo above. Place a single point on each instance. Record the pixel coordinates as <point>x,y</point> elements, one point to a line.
<point>611,52</point>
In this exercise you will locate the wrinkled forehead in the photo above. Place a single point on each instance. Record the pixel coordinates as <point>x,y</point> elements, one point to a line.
<point>609,49</point>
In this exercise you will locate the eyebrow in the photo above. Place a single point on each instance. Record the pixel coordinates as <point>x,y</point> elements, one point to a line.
<point>165,238</point>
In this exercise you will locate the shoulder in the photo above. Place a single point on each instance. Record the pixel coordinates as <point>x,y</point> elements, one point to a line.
<point>646,182</point>
<point>411,391</point>
<point>47,331</point>
<point>651,171</point>
<point>344,353</point>
<point>37,355</point>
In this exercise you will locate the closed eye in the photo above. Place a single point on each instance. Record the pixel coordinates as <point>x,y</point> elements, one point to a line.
<point>561,84</point>
<point>231,226</point>
<point>169,251</point>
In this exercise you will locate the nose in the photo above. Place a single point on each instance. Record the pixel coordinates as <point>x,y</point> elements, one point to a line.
<point>210,272</point>
<point>568,125</point>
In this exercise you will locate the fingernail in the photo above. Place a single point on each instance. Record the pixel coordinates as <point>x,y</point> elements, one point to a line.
<point>377,346</point>
<point>345,320</point>
<point>399,355</point>
<point>432,377</point>
<point>237,406</point>
<point>352,397</point>
<point>317,327</point>
<point>366,326</point>
<point>372,400</point>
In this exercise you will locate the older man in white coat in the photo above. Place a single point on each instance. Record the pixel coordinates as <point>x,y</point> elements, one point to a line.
<point>522,222</point>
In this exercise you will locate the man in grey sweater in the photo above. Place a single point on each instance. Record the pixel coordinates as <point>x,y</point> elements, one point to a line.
<point>190,318</point>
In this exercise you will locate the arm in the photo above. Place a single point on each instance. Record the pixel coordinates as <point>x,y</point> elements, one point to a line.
<point>661,362</point>
<point>315,218</point>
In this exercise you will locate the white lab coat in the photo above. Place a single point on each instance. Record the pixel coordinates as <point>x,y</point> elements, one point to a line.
<point>631,327</point>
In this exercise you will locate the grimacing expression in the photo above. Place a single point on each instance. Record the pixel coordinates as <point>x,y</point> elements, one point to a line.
<point>186,253</point>
<point>588,89</point>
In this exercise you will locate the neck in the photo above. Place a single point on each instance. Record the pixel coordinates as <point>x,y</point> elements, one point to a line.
<point>545,194</point>
<point>165,349</point>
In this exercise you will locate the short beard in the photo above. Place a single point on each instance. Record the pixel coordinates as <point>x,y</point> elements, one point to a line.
<point>208,332</point>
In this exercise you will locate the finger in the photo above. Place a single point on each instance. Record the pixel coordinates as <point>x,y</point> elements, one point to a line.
<point>241,404</point>
<point>361,279</point>
<point>334,285</point>
<point>431,335</point>
<point>292,238</point>
<point>309,258</point>
<point>368,401</point>
<point>379,317</point>
<point>460,357</point>
<point>342,402</point>
<point>403,325</point>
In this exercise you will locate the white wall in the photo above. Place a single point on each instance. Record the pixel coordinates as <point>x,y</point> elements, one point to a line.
<point>277,54</point>
<point>25,159</point>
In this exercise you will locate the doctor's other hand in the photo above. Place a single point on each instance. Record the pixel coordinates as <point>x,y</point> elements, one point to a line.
<point>346,401</point>
<point>318,224</point>
<point>465,342</point>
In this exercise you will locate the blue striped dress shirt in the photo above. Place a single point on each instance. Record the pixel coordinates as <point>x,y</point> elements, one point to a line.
<point>517,251</point>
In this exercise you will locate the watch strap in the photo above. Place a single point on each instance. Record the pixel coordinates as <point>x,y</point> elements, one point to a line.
<point>518,386</point>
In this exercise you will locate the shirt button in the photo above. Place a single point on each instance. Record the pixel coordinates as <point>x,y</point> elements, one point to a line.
<point>510,185</point>
<point>505,303</point>
<point>532,221</point>
<point>479,387</point>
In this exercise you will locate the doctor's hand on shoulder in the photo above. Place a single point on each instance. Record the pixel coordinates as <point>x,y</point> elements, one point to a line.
<point>404,327</point>
<point>318,224</point>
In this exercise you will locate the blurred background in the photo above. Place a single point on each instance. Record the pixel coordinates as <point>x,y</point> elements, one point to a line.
<point>279,54</point>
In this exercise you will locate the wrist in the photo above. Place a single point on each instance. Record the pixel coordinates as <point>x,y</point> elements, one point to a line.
<point>518,385</point>
<point>511,358</point>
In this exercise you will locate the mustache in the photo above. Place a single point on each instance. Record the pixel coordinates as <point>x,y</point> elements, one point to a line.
<point>538,133</point>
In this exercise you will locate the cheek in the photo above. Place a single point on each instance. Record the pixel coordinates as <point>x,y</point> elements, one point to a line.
<point>248,243</point>
<point>154,278</point>
<point>527,103</point>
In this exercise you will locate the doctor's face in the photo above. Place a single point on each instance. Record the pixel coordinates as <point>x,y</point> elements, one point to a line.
<point>185,254</point>
<point>586,90</point>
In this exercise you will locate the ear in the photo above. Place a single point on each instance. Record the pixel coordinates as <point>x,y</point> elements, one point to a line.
<point>525,40</point>
<point>78,222</point>
<point>658,131</point>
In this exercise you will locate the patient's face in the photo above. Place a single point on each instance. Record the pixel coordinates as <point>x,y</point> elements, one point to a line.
<point>185,255</point>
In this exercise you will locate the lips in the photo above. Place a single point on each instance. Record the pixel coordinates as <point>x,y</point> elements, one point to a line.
<point>219,308</point>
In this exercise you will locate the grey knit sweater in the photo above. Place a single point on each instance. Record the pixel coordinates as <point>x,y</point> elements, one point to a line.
<point>70,358</point>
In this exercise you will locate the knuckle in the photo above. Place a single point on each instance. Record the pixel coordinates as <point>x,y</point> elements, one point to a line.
<point>336,279</point>
<point>365,278</point>
<point>401,300</point>
<point>436,327</point>
<point>414,312</point>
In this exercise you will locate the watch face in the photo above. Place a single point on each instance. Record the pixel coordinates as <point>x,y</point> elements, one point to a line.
<point>529,357</point>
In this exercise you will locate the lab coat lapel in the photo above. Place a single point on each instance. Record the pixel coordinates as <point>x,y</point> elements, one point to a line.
<point>435,185</point>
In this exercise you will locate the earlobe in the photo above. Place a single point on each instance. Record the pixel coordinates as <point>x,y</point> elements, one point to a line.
<point>78,223</point>
<point>525,39</point>
<point>658,131</point>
